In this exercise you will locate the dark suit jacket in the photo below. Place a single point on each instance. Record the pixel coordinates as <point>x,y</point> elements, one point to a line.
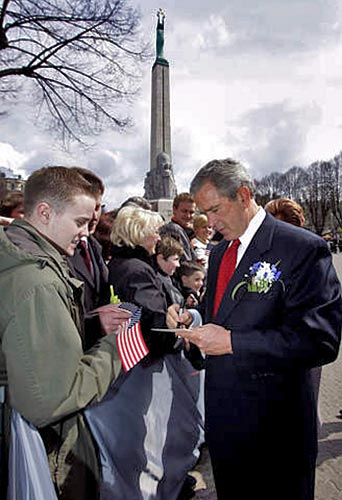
<point>260,407</point>
<point>96,289</point>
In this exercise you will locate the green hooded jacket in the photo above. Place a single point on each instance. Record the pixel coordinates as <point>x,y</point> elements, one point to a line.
<point>49,377</point>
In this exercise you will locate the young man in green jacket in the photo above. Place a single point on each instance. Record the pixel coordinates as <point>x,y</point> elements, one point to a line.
<point>49,377</point>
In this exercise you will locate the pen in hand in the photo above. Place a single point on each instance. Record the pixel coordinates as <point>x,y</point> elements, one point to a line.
<point>179,340</point>
<point>180,312</point>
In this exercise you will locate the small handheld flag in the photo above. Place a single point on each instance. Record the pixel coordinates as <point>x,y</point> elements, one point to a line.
<point>129,341</point>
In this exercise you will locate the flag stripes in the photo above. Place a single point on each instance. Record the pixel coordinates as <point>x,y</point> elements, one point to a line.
<point>130,342</point>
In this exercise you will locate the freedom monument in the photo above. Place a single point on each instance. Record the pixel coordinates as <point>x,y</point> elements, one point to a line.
<point>160,187</point>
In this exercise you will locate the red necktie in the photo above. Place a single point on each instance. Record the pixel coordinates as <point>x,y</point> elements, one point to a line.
<point>226,271</point>
<point>86,256</point>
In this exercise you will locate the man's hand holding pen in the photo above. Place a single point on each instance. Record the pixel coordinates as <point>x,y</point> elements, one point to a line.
<point>210,339</point>
<point>177,317</point>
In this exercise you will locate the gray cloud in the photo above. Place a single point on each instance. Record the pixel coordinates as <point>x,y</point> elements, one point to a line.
<point>278,26</point>
<point>275,136</point>
<point>269,25</point>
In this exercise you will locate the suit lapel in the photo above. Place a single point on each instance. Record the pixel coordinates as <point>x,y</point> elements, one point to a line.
<point>99,266</point>
<point>79,266</point>
<point>96,270</point>
<point>260,244</point>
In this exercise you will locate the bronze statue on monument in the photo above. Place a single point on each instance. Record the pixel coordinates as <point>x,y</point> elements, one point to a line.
<point>160,35</point>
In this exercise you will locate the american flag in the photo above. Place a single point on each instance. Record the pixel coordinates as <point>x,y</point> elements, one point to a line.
<point>208,249</point>
<point>129,340</point>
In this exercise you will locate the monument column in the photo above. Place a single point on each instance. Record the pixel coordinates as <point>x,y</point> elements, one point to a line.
<point>159,181</point>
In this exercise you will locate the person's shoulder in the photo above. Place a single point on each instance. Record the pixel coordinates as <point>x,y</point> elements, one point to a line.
<point>95,243</point>
<point>97,250</point>
<point>172,226</point>
<point>297,238</point>
<point>132,263</point>
<point>196,243</point>
<point>296,232</point>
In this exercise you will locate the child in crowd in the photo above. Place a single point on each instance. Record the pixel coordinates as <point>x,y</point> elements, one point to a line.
<point>201,243</point>
<point>191,275</point>
<point>168,253</point>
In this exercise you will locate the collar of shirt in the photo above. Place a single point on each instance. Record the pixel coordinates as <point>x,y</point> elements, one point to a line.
<point>248,235</point>
<point>85,239</point>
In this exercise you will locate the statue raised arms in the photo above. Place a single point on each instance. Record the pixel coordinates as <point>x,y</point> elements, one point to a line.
<point>160,34</point>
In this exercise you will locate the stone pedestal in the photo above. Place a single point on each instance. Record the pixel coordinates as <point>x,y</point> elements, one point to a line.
<point>164,207</point>
<point>159,181</point>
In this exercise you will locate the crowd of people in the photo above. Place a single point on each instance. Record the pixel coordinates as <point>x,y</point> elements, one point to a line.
<point>335,243</point>
<point>129,342</point>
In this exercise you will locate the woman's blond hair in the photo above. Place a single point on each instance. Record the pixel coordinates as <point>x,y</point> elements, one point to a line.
<point>133,224</point>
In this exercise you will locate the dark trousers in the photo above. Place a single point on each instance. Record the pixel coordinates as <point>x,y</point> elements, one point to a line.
<point>249,480</point>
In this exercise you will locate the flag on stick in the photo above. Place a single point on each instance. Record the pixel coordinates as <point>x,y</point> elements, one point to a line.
<point>129,340</point>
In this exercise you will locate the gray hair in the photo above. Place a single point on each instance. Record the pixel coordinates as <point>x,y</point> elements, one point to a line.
<point>227,176</point>
<point>133,224</point>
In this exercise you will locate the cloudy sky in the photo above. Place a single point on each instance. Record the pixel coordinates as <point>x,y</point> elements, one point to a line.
<point>256,80</point>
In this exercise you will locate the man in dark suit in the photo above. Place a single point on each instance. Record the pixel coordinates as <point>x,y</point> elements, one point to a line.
<point>87,265</point>
<point>278,316</point>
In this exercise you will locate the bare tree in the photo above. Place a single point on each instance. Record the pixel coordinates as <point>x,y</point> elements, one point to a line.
<point>77,60</point>
<point>269,187</point>
<point>294,182</point>
<point>317,188</point>
<point>336,200</point>
<point>318,195</point>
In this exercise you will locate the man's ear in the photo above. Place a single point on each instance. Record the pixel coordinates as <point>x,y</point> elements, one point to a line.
<point>244,195</point>
<point>43,212</point>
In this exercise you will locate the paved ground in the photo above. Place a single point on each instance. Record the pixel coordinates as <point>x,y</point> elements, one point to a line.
<point>329,461</point>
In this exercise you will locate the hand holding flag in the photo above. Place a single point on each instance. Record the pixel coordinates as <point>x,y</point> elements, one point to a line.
<point>129,341</point>
<point>111,317</point>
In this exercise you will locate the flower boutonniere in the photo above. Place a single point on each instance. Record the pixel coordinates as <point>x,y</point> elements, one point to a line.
<point>261,278</point>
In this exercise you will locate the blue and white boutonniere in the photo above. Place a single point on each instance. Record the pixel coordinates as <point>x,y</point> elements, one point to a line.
<point>261,278</point>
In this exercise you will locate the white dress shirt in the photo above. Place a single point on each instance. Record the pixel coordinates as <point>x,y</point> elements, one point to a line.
<point>248,235</point>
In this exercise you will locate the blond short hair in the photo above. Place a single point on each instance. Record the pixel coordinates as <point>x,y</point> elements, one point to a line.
<point>133,224</point>
<point>200,220</point>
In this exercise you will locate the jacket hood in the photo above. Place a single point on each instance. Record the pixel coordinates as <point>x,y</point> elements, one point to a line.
<point>21,243</point>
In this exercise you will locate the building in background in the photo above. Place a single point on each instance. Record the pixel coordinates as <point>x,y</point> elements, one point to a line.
<point>10,182</point>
